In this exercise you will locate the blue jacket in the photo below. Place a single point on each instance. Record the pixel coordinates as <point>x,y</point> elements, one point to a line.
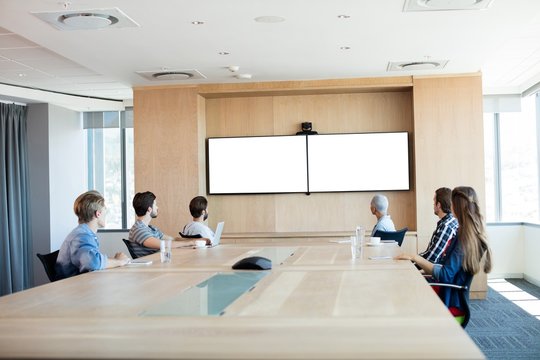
<point>79,253</point>
<point>450,271</point>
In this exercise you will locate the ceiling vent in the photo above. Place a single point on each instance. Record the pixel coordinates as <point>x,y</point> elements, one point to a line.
<point>416,65</point>
<point>171,75</point>
<point>91,19</point>
<point>441,5</point>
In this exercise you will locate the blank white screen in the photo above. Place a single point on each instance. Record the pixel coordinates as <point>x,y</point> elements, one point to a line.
<point>272,164</point>
<point>358,162</point>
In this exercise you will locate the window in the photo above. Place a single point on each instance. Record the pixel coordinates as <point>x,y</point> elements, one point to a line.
<point>111,164</point>
<point>511,157</point>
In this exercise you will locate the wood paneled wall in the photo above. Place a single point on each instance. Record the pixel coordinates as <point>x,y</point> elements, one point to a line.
<point>449,147</point>
<point>171,124</point>
<point>332,113</point>
<point>167,151</point>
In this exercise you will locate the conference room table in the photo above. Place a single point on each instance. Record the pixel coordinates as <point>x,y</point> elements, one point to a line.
<point>315,303</point>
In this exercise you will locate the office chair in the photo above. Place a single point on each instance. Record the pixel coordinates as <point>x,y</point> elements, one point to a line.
<point>462,314</point>
<point>196,236</point>
<point>49,263</point>
<point>398,235</point>
<point>136,250</point>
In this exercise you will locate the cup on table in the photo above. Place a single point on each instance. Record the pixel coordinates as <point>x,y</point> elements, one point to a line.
<point>165,250</point>
<point>200,243</point>
<point>375,240</point>
<point>356,247</point>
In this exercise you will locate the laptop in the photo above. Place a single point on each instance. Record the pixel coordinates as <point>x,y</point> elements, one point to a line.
<point>217,234</point>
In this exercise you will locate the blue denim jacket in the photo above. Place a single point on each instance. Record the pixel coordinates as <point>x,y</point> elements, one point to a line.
<point>450,271</point>
<point>79,253</point>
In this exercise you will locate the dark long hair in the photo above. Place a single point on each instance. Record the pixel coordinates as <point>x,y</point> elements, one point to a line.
<point>471,231</point>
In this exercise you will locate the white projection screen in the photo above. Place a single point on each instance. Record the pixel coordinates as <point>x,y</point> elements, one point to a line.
<point>358,162</point>
<point>257,165</point>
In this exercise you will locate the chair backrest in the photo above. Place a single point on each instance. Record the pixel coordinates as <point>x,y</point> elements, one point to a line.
<point>196,236</point>
<point>49,263</point>
<point>136,251</point>
<point>398,235</point>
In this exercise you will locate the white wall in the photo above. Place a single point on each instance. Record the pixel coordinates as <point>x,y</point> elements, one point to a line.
<point>507,248</point>
<point>531,253</point>
<point>67,170</point>
<point>57,174</point>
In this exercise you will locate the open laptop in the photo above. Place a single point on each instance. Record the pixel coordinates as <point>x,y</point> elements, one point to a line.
<point>217,234</point>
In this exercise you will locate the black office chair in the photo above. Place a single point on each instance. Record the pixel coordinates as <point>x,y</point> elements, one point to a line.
<point>49,263</point>
<point>398,235</point>
<point>136,251</point>
<point>196,236</point>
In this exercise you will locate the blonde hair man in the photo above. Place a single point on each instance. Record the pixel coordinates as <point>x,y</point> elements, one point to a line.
<point>79,252</point>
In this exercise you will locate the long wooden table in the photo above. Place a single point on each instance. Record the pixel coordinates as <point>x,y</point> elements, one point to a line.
<point>316,303</point>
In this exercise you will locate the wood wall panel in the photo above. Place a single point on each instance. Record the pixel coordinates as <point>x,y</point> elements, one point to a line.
<point>166,151</point>
<point>282,115</point>
<point>449,146</point>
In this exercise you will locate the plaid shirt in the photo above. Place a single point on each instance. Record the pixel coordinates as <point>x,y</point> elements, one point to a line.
<point>446,230</point>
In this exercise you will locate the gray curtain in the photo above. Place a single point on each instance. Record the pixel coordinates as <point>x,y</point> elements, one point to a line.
<point>15,244</point>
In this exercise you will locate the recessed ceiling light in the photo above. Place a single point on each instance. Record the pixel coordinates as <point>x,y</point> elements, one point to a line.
<point>171,74</point>
<point>243,76</point>
<point>223,53</point>
<point>269,19</point>
<point>21,74</point>
<point>416,65</point>
<point>438,5</point>
<point>343,16</point>
<point>197,22</point>
<point>89,19</point>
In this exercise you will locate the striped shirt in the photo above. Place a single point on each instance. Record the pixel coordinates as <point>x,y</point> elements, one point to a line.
<point>138,234</point>
<point>442,236</point>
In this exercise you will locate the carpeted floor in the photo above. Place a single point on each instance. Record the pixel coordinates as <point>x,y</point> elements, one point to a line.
<point>502,329</point>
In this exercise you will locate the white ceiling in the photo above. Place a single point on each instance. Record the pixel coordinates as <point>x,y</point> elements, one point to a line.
<point>502,41</point>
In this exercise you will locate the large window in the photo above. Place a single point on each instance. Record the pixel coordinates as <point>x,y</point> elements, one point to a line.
<point>511,156</point>
<point>110,163</point>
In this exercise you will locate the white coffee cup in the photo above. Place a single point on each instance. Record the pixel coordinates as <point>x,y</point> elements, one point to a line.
<point>200,243</point>
<point>375,240</point>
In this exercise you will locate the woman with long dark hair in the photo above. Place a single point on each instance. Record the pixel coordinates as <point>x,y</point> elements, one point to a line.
<point>468,252</point>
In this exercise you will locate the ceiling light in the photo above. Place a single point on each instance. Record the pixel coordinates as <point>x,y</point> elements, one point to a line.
<point>438,5</point>
<point>87,19</point>
<point>269,19</point>
<point>416,65</point>
<point>243,76</point>
<point>233,68</point>
<point>171,75</point>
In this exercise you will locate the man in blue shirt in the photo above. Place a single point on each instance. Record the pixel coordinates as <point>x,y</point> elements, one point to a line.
<point>446,226</point>
<point>79,252</point>
<point>379,208</point>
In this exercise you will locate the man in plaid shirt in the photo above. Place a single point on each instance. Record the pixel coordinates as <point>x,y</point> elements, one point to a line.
<point>446,226</point>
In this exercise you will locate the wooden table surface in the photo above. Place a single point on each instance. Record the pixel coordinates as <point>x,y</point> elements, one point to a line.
<point>316,304</point>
